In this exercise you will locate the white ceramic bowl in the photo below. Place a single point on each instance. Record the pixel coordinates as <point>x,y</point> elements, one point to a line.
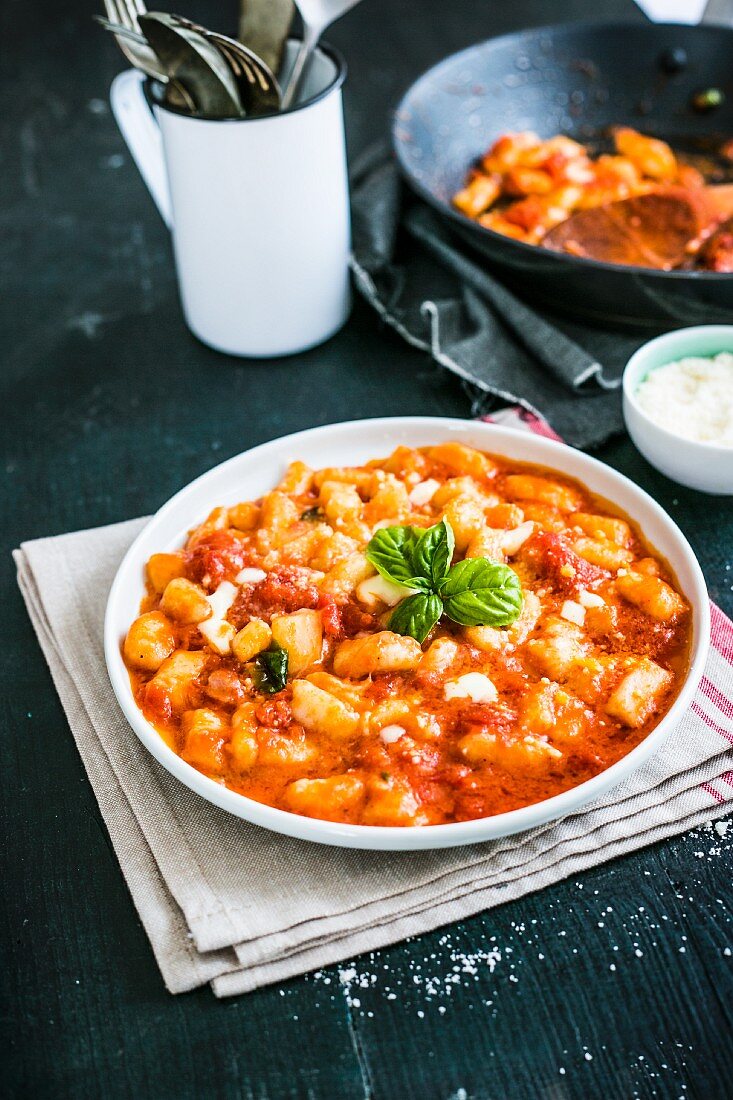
<point>703,466</point>
<point>250,474</point>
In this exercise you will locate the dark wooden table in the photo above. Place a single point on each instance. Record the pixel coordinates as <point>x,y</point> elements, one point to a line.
<point>617,985</point>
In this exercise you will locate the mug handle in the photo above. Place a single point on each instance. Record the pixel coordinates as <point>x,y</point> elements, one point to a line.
<point>142,135</point>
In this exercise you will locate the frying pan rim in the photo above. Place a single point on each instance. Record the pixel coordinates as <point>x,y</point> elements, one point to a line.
<point>462,220</point>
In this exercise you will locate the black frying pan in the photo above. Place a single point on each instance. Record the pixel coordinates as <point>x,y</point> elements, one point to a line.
<point>578,79</point>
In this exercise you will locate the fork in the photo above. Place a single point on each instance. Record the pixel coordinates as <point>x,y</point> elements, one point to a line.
<point>122,16</point>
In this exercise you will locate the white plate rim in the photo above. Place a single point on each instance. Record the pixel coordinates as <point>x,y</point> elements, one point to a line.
<point>411,838</point>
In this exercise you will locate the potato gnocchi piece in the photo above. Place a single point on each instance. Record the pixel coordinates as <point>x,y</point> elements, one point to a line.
<point>150,640</point>
<point>390,501</point>
<point>243,745</point>
<point>334,550</point>
<point>640,693</point>
<point>163,568</point>
<point>381,652</point>
<point>392,801</point>
<point>603,527</point>
<point>297,480</point>
<point>185,602</point>
<point>278,513</point>
<point>300,548</point>
<point>550,711</point>
<point>284,748</point>
<point>341,503</point>
<point>245,516</point>
<point>464,460</point>
<point>559,648</point>
<point>440,655</point>
<point>322,712</point>
<point>466,516</point>
<point>345,690</point>
<point>527,753</point>
<point>552,493</point>
<point>332,799</point>
<point>605,554</point>
<point>176,677</point>
<point>203,734</point>
<point>251,640</point>
<point>651,595</point>
<point>365,481</point>
<point>346,575</point>
<point>301,634</point>
<point>463,487</point>
<point>489,639</point>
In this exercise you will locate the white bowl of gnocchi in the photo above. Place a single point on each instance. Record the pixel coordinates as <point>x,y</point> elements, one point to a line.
<point>406,633</point>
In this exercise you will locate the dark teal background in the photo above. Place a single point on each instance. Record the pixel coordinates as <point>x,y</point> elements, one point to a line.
<point>109,405</point>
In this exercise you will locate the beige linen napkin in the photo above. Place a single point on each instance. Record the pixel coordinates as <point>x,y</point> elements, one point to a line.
<point>229,903</point>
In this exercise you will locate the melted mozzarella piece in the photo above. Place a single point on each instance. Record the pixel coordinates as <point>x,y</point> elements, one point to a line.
<point>573,612</point>
<point>378,589</point>
<point>390,734</point>
<point>424,492</point>
<point>250,576</point>
<point>512,541</point>
<point>217,631</point>
<point>474,686</point>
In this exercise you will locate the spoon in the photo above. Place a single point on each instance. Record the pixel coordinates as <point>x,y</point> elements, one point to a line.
<point>316,16</point>
<point>195,63</point>
<point>258,89</point>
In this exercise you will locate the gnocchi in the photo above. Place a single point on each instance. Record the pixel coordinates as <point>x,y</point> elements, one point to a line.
<point>265,656</point>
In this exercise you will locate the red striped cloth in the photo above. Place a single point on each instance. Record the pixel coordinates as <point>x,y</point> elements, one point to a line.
<point>712,705</point>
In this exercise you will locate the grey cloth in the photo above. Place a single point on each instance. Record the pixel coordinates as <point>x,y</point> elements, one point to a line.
<point>440,298</point>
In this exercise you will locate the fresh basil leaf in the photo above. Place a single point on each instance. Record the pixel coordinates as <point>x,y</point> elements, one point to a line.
<point>434,552</point>
<point>271,669</point>
<point>480,592</point>
<point>417,615</point>
<point>391,551</point>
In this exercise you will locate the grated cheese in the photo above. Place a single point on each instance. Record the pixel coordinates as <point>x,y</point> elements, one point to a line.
<point>693,398</point>
<point>590,599</point>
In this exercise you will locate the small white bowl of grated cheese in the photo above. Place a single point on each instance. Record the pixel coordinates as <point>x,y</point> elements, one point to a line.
<point>678,405</point>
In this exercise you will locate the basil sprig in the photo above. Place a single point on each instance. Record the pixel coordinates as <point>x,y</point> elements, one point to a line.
<point>271,669</point>
<point>473,592</point>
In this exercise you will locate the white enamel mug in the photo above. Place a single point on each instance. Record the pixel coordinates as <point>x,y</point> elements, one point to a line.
<point>258,209</point>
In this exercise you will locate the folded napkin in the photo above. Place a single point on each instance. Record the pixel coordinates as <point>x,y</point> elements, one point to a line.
<point>440,296</point>
<point>228,903</point>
